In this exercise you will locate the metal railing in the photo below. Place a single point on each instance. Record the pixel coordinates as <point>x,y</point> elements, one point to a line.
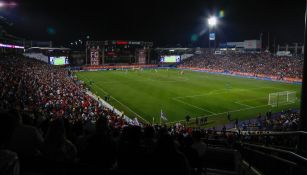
<point>270,159</point>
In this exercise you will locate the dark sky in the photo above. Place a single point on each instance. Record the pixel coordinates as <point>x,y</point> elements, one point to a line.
<point>161,21</point>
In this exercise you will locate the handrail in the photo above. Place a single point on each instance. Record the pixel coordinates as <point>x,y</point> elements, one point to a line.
<point>262,133</point>
<point>273,156</point>
<point>278,150</point>
<point>273,133</point>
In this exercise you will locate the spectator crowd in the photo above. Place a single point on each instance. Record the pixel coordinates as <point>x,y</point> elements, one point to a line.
<point>52,126</point>
<point>47,91</point>
<point>284,121</point>
<point>254,63</point>
<point>50,123</point>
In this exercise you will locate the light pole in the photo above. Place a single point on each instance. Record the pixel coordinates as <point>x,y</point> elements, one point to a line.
<point>212,22</point>
<point>86,47</point>
<point>261,41</point>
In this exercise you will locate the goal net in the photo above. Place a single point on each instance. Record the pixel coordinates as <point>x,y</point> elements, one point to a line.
<point>279,98</point>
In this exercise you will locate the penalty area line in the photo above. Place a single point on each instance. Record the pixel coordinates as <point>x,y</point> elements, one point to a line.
<point>216,114</point>
<point>238,102</point>
<point>193,106</point>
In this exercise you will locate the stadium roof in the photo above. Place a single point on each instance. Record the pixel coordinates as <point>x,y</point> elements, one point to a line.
<point>172,49</point>
<point>50,48</point>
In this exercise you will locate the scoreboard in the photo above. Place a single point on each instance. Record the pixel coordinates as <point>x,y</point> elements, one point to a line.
<point>94,56</point>
<point>170,59</point>
<point>117,51</point>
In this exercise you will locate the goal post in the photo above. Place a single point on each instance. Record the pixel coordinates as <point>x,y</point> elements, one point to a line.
<point>291,96</point>
<point>278,98</point>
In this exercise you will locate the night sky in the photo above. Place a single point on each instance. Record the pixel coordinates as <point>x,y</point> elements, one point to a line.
<point>165,22</point>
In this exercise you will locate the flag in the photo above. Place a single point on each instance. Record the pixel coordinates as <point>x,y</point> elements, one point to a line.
<point>163,116</point>
<point>136,122</point>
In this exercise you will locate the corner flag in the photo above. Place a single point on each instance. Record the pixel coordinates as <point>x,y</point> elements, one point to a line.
<point>136,122</point>
<point>163,116</point>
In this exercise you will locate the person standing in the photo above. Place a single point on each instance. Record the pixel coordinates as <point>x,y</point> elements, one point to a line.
<point>228,116</point>
<point>187,118</point>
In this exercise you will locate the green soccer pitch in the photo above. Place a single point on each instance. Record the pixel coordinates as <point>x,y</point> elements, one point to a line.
<point>143,93</point>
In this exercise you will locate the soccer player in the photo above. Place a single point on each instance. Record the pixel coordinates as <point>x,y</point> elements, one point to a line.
<point>181,72</point>
<point>228,116</point>
<point>187,118</point>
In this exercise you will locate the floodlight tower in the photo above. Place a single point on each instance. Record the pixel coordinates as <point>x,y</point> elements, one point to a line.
<point>212,22</point>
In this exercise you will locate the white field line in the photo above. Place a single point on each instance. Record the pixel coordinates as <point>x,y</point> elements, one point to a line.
<point>242,109</point>
<point>238,110</point>
<point>121,82</point>
<point>238,102</point>
<point>216,114</point>
<point>167,81</point>
<point>122,104</point>
<point>119,102</point>
<point>227,91</point>
<point>194,106</point>
<point>252,99</point>
<point>209,93</point>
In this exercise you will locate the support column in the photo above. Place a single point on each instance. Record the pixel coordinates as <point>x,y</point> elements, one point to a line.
<point>304,87</point>
<point>102,54</point>
<point>86,47</point>
<point>302,147</point>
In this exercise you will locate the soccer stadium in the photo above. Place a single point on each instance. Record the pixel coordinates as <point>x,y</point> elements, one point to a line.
<point>213,88</point>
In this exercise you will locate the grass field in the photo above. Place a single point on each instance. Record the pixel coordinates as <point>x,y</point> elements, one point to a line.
<point>144,93</point>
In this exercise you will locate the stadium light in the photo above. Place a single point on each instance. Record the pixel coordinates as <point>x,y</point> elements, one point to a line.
<point>212,21</point>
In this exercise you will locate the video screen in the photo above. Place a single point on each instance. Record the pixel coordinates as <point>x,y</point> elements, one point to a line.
<point>170,59</point>
<point>59,60</point>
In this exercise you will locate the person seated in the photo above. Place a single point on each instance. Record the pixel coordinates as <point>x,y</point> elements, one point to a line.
<point>56,146</point>
<point>26,140</point>
<point>9,161</point>
<point>167,159</point>
<point>99,149</point>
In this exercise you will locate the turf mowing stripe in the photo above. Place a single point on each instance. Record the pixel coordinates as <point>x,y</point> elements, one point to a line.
<point>168,87</point>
